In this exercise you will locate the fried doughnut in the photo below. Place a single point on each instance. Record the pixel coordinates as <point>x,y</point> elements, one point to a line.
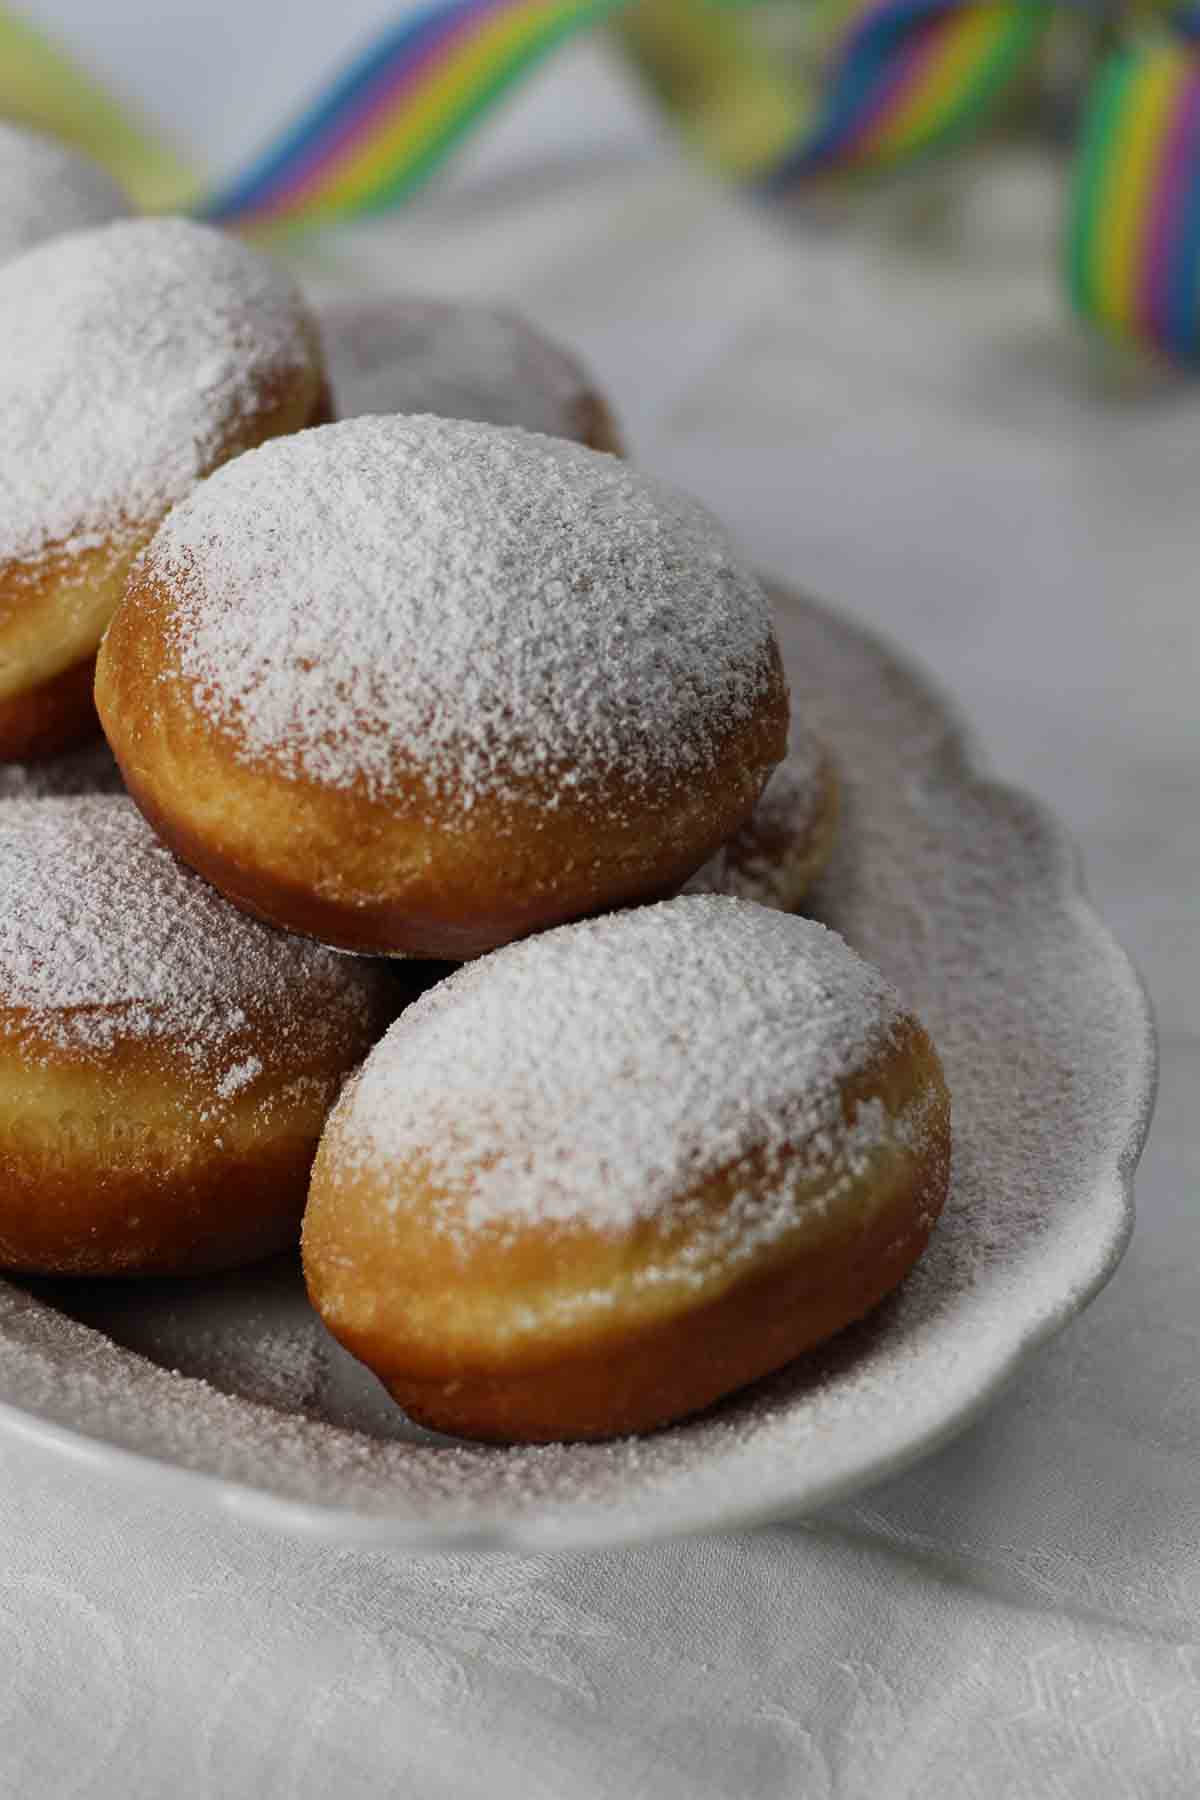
<point>415,355</point>
<point>411,685</point>
<point>47,189</point>
<point>785,844</point>
<point>600,1179</point>
<point>91,769</point>
<point>137,358</point>
<point>166,1064</point>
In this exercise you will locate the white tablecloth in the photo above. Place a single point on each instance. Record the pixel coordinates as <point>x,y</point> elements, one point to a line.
<point>1020,1615</point>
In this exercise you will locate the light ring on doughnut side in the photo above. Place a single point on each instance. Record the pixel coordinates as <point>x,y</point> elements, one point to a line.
<point>935,864</point>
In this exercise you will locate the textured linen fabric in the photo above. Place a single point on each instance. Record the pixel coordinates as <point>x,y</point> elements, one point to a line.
<point>1017,1616</point>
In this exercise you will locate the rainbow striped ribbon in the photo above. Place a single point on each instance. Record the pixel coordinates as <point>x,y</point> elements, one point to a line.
<point>906,78</point>
<point>1133,242</point>
<point>382,128</point>
<point>911,77</point>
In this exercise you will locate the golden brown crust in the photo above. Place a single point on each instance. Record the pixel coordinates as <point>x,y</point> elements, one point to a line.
<point>323,412</point>
<point>64,1214</point>
<point>779,852</point>
<point>54,612</point>
<point>394,883</point>
<point>127,1149</point>
<point>50,718</point>
<point>683,1364</point>
<point>596,426</point>
<point>547,1333</point>
<point>129,1159</point>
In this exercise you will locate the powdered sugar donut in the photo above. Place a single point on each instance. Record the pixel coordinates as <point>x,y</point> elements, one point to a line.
<point>137,358</point>
<point>47,189</point>
<point>415,685</point>
<point>785,844</point>
<point>409,354</point>
<point>599,1179</point>
<point>166,1064</point>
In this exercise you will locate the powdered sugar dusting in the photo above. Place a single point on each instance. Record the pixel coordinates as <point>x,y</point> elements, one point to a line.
<point>130,355</point>
<point>761,861</point>
<point>92,769</point>
<point>487,607</point>
<point>105,937</point>
<point>408,354</point>
<point>47,188</point>
<point>596,1072</point>
<point>239,1076</point>
<point>970,903</point>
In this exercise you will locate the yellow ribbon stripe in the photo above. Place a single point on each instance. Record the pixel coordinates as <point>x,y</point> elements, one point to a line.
<point>1134,161</point>
<point>43,88</point>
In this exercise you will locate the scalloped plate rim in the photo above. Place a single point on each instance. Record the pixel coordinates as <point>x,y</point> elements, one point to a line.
<point>953,762</point>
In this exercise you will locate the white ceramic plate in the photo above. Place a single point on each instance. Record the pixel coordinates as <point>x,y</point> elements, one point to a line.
<point>969,897</point>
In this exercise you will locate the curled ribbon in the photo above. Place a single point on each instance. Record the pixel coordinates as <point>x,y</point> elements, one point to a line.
<point>1133,237</point>
<point>912,77</point>
<point>904,79</point>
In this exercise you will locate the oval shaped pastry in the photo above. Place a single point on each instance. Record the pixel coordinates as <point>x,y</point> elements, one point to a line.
<point>137,358</point>
<point>410,354</point>
<point>415,685</point>
<point>600,1179</point>
<point>786,842</point>
<point>166,1064</point>
<point>47,189</point>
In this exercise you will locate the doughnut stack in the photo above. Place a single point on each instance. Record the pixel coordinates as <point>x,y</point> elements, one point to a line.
<point>445,682</point>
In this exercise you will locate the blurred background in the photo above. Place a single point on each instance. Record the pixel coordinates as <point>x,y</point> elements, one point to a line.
<point>220,77</point>
<point>1005,137</point>
<point>880,385</point>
